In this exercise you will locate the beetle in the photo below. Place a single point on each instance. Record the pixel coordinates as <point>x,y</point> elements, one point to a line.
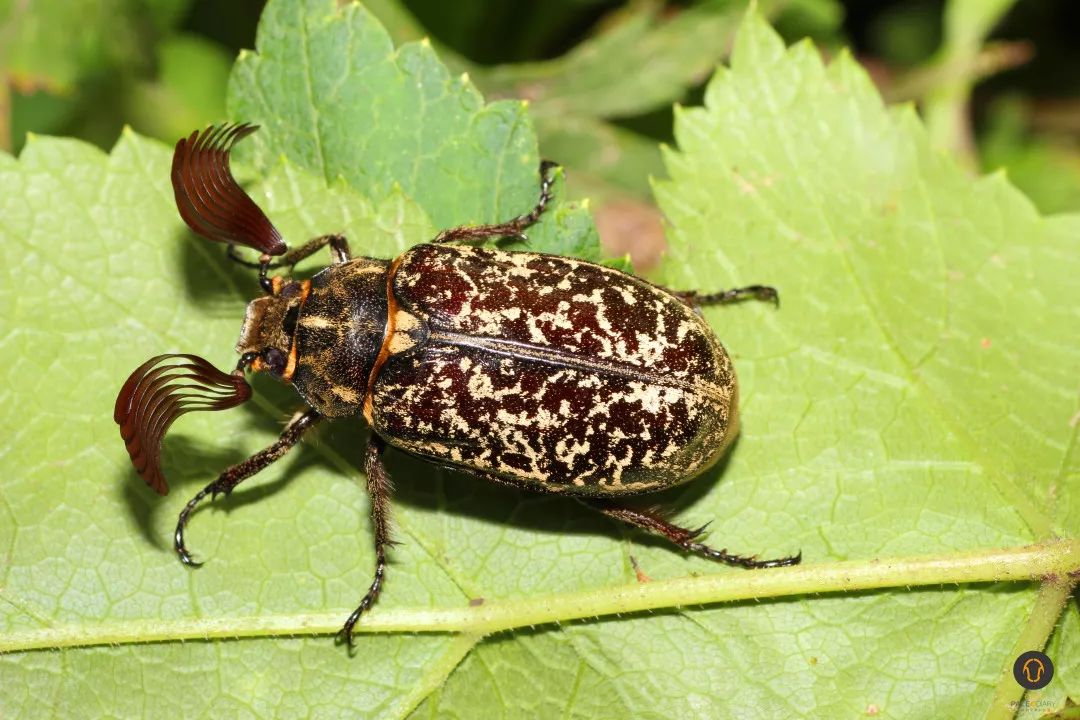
<point>540,372</point>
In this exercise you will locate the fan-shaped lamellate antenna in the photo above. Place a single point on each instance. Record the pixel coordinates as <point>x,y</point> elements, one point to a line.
<point>162,389</point>
<point>210,200</point>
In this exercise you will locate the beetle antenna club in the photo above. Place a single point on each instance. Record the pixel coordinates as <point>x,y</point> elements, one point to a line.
<point>544,373</point>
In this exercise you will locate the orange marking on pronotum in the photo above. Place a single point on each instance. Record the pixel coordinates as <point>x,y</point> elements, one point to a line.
<point>294,353</point>
<point>388,332</point>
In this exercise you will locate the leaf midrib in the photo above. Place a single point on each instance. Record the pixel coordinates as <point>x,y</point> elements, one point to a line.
<point>1058,560</point>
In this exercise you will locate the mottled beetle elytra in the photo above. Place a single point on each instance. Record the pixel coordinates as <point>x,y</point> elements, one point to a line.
<point>540,372</point>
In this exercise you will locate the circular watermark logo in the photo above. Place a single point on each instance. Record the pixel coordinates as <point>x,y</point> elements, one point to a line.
<point>1033,670</point>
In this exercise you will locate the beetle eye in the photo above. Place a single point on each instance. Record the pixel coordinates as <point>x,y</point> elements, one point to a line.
<point>275,360</point>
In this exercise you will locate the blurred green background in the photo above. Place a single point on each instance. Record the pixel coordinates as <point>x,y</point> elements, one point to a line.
<point>996,80</point>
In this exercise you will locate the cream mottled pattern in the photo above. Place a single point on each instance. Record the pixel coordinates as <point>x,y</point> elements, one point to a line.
<point>549,372</point>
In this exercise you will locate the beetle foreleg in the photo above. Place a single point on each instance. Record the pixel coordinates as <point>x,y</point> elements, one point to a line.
<point>234,475</point>
<point>379,489</point>
<point>512,228</point>
<point>684,537</point>
<point>339,253</point>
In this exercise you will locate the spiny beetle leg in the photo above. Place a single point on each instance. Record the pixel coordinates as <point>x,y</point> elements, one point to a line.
<point>339,253</point>
<point>234,475</point>
<point>379,488</point>
<point>684,537</point>
<point>695,299</point>
<point>512,228</point>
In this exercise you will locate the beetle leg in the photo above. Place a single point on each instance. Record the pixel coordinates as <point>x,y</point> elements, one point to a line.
<point>339,253</point>
<point>236,474</point>
<point>512,228</point>
<point>725,297</point>
<point>684,537</point>
<point>379,488</point>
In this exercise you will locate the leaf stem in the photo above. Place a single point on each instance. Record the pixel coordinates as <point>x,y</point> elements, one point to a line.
<point>1044,616</point>
<point>436,671</point>
<point>1055,562</point>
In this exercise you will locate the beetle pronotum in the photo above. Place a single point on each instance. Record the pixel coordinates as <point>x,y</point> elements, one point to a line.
<point>541,372</point>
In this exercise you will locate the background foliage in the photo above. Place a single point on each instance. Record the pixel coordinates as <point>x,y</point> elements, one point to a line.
<point>958,441</point>
<point>996,78</point>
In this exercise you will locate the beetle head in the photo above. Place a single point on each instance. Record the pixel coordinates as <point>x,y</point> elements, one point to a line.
<point>165,387</point>
<point>269,329</point>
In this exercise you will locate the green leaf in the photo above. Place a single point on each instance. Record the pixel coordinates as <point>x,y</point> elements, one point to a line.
<point>613,162</point>
<point>877,423</point>
<point>633,67</point>
<point>819,19</point>
<point>68,61</point>
<point>338,99</point>
<point>52,44</point>
<point>917,389</point>
<point>189,91</point>
<point>636,63</point>
<point>967,23</point>
<point>1045,165</point>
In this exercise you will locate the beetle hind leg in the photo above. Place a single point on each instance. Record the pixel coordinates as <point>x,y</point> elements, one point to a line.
<point>685,538</point>
<point>236,474</point>
<point>379,489</point>
<point>512,228</point>
<point>695,299</point>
